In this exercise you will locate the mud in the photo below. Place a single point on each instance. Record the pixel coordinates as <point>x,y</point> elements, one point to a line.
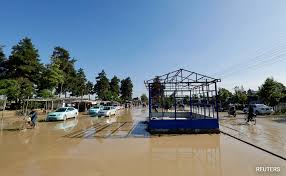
<point>48,150</point>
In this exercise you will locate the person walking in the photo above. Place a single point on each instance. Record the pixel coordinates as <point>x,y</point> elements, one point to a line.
<point>250,113</point>
<point>34,117</point>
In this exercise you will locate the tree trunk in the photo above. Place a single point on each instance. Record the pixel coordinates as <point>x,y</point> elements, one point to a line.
<point>61,90</point>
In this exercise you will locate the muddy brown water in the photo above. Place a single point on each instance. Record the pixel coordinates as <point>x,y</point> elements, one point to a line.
<point>268,133</point>
<point>51,149</point>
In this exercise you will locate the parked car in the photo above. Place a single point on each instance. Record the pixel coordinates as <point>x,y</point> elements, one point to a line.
<point>107,111</point>
<point>117,107</point>
<point>63,113</point>
<point>95,109</point>
<point>259,109</point>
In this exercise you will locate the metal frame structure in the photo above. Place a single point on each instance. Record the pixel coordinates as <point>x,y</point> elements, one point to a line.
<point>183,85</point>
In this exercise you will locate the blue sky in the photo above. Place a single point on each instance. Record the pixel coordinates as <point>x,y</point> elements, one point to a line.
<point>144,38</point>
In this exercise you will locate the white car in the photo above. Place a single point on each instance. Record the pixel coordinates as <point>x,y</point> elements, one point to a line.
<point>259,109</point>
<point>117,107</point>
<point>94,110</point>
<point>107,111</point>
<point>63,113</point>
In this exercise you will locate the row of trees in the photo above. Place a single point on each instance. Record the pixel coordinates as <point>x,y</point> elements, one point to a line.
<point>271,92</point>
<point>22,75</point>
<point>111,90</point>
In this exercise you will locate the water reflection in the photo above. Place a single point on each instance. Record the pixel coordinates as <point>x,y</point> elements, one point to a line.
<point>67,125</point>
<point>196,155</point>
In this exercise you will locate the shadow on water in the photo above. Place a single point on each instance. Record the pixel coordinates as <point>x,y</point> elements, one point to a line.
<point>140,130</point>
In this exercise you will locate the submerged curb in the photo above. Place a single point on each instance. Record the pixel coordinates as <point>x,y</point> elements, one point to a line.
<point>267,151</point>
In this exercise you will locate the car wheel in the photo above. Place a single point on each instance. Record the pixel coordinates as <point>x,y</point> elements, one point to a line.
<point>256,112</point>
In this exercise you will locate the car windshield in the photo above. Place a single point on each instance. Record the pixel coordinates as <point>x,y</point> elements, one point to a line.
<point>95,107</point>
<point>106,108</point>
<point>61,110</point>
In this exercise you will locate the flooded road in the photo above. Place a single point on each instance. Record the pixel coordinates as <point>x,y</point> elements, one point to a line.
<point>268,133</point>
<point>120,146</point>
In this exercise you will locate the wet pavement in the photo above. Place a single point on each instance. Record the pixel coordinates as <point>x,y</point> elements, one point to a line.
<point>268,133</point>
<point>121,146</point>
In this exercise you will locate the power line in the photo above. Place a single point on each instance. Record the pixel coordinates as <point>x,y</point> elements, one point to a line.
<point>275,49</point>
<point>269,62</point>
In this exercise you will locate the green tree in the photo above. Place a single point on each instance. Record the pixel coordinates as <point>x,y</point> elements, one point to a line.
<point>168,102</point>
<point>224,96</point>
<point>24,62</point>
<point>10,88</point>
<point>89,88</point>
<point>62,58</point>
<point>102,87</point>
<point>26,88</point>
<point>2,55</point>
<point>79,84</point>
<point>186,100</point>
<point>126,89</point>
<point>240,95</point>
<point>157,91</point>
<point>46,93</point>
<point>52,78</point>
<point>2,63</point>
<point>115,88</point>
<point>24,66</point>
<point>144,98</point>
<point>271,92</point>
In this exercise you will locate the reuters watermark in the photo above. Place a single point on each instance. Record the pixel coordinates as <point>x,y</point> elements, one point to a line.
<point>268,169</point>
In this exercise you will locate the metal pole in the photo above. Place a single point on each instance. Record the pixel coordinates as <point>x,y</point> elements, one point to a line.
<point>191,112</point>
<point>216,101</point>
<point>175,105</point>
<point>161,102</point>
<point>199,110</point>
<point>150,102</point>
<point>208,100</point>
<point>213,104</point>
<point>204,101</point>
<point>195,107</point>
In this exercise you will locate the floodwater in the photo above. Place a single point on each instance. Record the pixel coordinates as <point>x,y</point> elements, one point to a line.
<point>268,133</point>
<point>120,146</point>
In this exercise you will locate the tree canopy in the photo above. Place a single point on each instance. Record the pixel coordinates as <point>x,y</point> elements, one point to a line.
<point>271,92</point>
<point>144,98</point>
<point>2,63</point>
<point>89,88</point>
<point>62,58</point>
<point>22,75</point>
<point>9,88</point>
<point>224,96</point>
<point>115,88</point>
<point>126,89</point>
<point>79,84</point>
<point>240,95</point>
<point>24,62</point>
<point>102,86</point>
